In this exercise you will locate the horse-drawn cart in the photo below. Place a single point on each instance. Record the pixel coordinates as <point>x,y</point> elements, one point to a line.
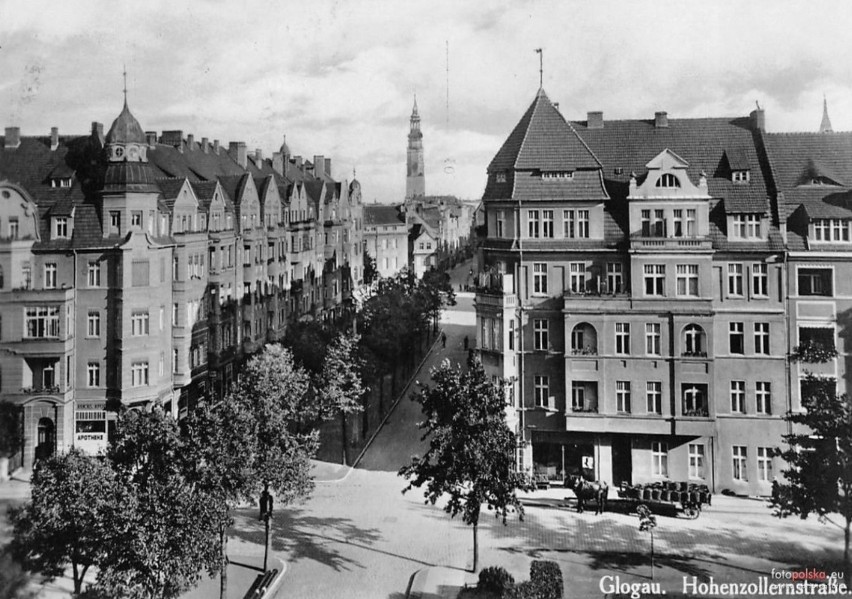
<point>668,498</point>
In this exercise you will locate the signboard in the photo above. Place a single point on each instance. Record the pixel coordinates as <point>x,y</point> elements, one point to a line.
<point>91,442</point>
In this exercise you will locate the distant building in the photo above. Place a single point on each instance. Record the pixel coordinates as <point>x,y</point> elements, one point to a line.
<point>647,285</point>
<point>386,238</point>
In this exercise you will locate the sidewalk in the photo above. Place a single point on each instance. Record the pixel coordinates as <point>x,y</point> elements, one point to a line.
<point>439,583</point>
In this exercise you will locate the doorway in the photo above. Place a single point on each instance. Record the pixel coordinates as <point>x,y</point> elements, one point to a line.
<point>622,460</point>
<point>46,439</point>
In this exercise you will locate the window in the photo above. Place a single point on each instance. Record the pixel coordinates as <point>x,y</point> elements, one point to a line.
<point>690,222</point>
<point>93,324</point>
<point>667,180</point>
<point>501,177</point>
<point>622,338</point>
<point>512,334</point>
<point>584,339</point>
<point>578,396</point>
<point>687,280</point>
<point>740,176</point>
<point>693,340</point>
<point>815,281</point>
<point>540,334</point>
<point>659,459</point>
<point>175,308</point>
<point>746,226</point>
<point>738,397</point>
<point>61,227</point>
<point>114,222</point>
<point>677,222</point>
<point>577,277</point>
<point>694,397</point>
<point>547,223</point>
<point>14,227</point>
<point>763,397</point>
<point>93,374</point>
<point>764,464</point>
<point>558,175</point>
<point>501,224</point>
<point>539,278</point>
<point>614,281</point>
<point>575,224</point>
<point>136,219</point>
<point>761,338</point>
<point>653,223</point>
<point>833,230</point>
<point>139,374</point>
<point>654,397</point>
<point>622,396</point>
<point>740,462</point>
<point>735,279</point>
<point>652,339</point>
<point>50,275</point>
<point>583,224</point>
<point>655,279</point>
<point>542,390</point>
<point>736,338</point>
<point>646,223</point>
<point>41,322</point>
<point>139,324</point>
<point>759,280</point>
<point>696,461</point>
<point>94,274</point>
<point>139,273</point>
<point>532,223</point>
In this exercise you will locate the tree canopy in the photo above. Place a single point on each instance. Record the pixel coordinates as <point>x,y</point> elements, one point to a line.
<point>471,448</point>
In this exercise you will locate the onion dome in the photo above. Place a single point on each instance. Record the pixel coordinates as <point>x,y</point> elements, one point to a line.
<point>125,129</point>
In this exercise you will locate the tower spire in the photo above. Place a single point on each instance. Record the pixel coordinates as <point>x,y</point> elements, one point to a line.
<point>125,84</point>
<point>540,67</point>
<point>825,125</point>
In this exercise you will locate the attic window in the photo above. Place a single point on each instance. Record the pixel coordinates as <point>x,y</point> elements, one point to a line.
<point>816,181</point>
<point>61,182</point>
<point>668,180</point>
<point>558,175</point>
<point>831,229</point>
<point>618,170</point>
<point>501,177</point>
<point>60,228</point>
<point>740,176</point>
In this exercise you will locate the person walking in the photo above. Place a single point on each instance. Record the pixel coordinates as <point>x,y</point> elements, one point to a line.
<point>465,342</point>
<point>443,339</point>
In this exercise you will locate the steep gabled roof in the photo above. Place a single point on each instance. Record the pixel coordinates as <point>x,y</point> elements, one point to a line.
<point>543,140</point>
<point>383,214</point>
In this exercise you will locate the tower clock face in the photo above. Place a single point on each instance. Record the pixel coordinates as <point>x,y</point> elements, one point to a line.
<point>133,153</point>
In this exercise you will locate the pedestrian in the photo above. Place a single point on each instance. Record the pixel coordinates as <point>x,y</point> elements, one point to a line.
<point>465,342</point>
<point>443,339</point>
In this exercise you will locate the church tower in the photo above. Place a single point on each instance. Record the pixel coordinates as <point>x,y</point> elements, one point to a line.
<point>415,183</point>
<point>825,125</point>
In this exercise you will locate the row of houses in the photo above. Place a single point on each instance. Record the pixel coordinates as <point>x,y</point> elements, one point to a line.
<point>142,268</point>
<point>650,287</point>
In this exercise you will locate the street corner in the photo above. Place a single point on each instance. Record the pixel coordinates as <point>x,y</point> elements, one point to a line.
<point>438,582</point>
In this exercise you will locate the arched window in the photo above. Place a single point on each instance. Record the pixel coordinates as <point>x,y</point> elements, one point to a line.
<point>693,341</point>
<point>584,340</point>
<point>668,180</point>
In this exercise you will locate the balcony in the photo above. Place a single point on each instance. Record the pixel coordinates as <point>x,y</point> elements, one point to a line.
<point>47,390</point>
<point>584,409</point>
<point>673,244</point>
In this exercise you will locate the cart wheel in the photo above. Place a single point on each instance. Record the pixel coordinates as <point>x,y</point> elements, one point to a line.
<point>691,511</point>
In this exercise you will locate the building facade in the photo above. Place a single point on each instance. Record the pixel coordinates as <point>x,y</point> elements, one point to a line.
<point>640,284</point>
<point>386,238</point>
<point>143,269</point>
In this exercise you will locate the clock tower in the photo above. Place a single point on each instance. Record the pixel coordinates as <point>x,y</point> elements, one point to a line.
<point>415,183</point>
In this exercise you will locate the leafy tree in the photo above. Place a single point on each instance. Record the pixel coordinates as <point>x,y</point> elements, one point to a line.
<point>10,429</point>
<point>65,520</point>
<point>308,341</point>
<point>164,525</point>
<point>436,291</point>
<point>819,455</point>
<point>371,273</point>
<point>340,387</point>
<point>471,448</point>
<point>647,523</point>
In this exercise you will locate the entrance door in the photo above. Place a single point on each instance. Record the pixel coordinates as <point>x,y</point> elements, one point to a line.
<point>622,460</point>
<point>46,442</point>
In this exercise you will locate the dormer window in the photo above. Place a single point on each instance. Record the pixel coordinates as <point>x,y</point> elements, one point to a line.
<point>501,177</point>
<point>60,227</point>
<point>60,182</point>
<point>746,226</point>
<point>831,230</point>
<point>554,175</point>
<point>740,176</point>
<point>668,180</point>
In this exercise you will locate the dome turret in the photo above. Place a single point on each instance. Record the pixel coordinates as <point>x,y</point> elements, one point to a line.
<point>126,129</point>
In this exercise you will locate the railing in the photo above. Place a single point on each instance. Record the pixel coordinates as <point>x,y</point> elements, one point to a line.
<point>585,351</point>
<point>585,409</point>
<point>694,354</point>
<point>37,390</point>
<point>697,413</point>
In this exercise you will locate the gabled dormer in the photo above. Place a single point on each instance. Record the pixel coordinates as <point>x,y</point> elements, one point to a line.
<point>817,174</point>
<point>667,178</point>
<point>62,224</point>
<point>738,166</point>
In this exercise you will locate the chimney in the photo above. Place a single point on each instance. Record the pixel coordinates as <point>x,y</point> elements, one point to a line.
<point>205,145</point>
<point>298,160</point>
<point>661,119</point>
<point>758,119</point>
<point>13,137</point>
<point>190,142</point>
<point>556,105</point>
<point>328,166</point>
<point>278,162</point>
<point>237,151</point>
<point>98,131</point>
<point>594,120</point>
<point>258,157</point>
<point>215,146</point>
<point>151,138</point>
<point>319,164</point>
<point>54,138</point>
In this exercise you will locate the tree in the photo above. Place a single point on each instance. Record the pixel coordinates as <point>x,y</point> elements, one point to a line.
<point>371,273</point>
<point>340,387</point>
<point>819,456</point>
<point>471,448</point>
<point>647,523</point>
<point>163,524</point>
<point>65,520</point>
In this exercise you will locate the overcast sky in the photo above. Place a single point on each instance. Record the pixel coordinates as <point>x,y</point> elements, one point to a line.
<point>338,77</point>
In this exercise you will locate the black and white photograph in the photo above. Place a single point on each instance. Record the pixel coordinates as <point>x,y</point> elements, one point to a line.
<point>390,299</point>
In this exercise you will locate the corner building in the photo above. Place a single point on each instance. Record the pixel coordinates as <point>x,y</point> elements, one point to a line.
<point>145,269</point>
<point>635,288</point>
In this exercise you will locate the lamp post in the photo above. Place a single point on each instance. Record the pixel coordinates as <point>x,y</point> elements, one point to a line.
<point>266,516</point>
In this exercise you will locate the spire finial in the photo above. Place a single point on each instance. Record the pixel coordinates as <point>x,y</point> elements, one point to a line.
<point>353,172</point>
<point>540,67</point>
<point>825,125</point>
<point>125,84</point>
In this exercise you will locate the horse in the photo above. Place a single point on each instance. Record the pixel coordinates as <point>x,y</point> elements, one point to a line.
<point>588,491</point>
